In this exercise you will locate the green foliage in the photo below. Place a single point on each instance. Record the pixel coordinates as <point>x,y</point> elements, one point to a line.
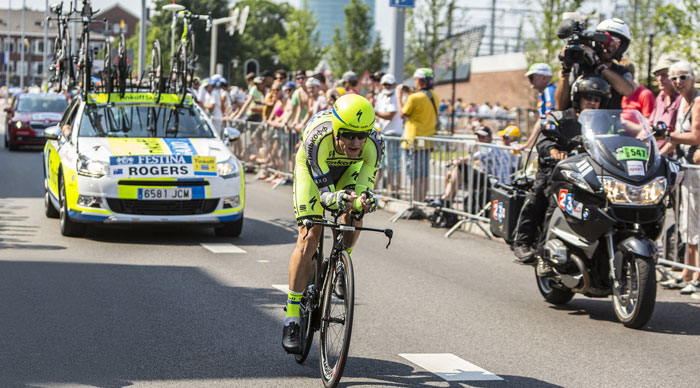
<point>354,50</point>
<point>677,31</point>
<point>640,18</point>
<point>428,23</point>
<point>152,33</point>
<point>300,49</point>
<point>545,47</point>
<point>264,27</point>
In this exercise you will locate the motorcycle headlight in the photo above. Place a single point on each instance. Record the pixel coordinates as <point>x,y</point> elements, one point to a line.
<point>623,193</point>
<point>91,168</point>
<point>577,179</point>
<point>228,168</point>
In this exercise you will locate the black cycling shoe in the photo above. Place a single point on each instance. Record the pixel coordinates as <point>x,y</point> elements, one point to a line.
<point>524,253</point>
<point>291,338</point>
<point>339,289</point>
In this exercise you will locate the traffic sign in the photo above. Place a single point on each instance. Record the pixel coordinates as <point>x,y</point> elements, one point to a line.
<point>243,20</point>
<point>402,3</point>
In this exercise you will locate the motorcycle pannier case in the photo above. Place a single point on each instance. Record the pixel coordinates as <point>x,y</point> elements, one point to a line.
<point>505,210</point>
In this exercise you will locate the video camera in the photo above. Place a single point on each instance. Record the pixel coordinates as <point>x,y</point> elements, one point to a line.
<point>577,37</point>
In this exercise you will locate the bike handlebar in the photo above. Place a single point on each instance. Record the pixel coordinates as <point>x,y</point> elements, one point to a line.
<point>308,224</point>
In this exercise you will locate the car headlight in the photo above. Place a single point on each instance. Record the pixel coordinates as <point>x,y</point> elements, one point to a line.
<point>623,193</point>
<point>228,168</point>
<point>18,125</point>
<point>91,168</point>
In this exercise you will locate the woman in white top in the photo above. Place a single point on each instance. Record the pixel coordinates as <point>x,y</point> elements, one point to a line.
<point>687,135</point>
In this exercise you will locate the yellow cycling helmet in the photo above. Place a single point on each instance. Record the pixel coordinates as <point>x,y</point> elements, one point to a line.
<point>352,112</point>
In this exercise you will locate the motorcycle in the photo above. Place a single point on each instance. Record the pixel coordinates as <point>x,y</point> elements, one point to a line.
<point>599,239</point>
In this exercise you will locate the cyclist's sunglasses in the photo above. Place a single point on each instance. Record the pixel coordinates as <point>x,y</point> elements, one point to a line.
<point>681,77</point>
<point>352,135</point>
<point>591,97</point>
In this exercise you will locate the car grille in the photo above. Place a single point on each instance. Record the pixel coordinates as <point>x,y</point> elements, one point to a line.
<point>639,215</point>
<point>162,208</point>
<point>163,183</point>
<point>41,125</point>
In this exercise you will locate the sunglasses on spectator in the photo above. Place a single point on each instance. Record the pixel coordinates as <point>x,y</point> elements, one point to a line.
<point>682,77</point>
<point>351,135</point>
<point>300,77</point>
<point>591,97</point>
<point>279,78</point>
<point>531,77</point>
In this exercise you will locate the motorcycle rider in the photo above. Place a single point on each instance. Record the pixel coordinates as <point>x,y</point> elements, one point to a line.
<point>558,130</point>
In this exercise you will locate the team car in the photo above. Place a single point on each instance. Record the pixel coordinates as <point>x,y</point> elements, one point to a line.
<point>140,158</point>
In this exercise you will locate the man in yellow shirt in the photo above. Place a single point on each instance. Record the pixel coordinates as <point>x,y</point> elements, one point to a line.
<point>420,114</point>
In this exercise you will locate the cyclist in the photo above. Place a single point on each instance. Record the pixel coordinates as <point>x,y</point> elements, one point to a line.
<point>340,153</point>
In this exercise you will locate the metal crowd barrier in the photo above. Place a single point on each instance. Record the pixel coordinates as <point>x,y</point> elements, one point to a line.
<point>685,223</point>
<point>456,171</point>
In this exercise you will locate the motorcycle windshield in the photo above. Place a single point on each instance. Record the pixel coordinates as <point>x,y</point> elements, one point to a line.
<point>621,141</point>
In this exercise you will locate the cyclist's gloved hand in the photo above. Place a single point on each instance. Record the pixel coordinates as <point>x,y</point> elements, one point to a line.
<point>339,200</point>
<point>369,201</point>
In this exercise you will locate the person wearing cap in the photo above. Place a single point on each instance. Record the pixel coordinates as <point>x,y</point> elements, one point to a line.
<point>212,103</point>
<point>350,81</point>
<point>391,124</point>
<point>375,79</point>
<point>268,78</point>
<point>667,102</point>
<point>317,99</point>
<point>420,114</point>
<point>599,62</point>
<point>540,77</point>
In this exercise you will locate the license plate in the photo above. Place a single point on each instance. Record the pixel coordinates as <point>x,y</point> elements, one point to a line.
<point>165,194</point>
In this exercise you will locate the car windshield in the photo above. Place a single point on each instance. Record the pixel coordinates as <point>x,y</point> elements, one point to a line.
<point>41,104</point>
<point>622,138</point>
<point>143,121</point>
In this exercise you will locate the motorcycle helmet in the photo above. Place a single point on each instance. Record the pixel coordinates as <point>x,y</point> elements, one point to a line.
<point>617,27</point>
<point>352,112</point>
<point>590,84</point>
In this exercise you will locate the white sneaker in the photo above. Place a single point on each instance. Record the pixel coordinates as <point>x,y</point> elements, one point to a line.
<point>673,284</point>
<point>695,295</point>
<point>690,288</point>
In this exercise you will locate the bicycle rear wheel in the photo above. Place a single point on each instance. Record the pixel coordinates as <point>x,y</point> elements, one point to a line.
<point>156,71</point>
<point>308,310</point>
<point>336,322</point>
<point>107,70</point>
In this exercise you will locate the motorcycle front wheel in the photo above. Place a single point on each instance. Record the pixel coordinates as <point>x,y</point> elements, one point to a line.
<point>635,298</point>
<point>552,294</point>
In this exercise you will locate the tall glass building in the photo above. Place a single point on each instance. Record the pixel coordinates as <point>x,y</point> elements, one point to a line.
<point>329,14</point>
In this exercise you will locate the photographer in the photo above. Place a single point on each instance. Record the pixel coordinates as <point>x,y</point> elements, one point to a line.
<point>588,53</point>
<point>560,127</point>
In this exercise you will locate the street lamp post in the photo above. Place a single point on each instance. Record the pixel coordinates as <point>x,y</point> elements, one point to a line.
<point>174,8</point>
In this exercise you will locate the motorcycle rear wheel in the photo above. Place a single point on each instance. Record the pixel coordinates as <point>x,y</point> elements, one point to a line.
<point>635,299</point>
<point>553,295</point>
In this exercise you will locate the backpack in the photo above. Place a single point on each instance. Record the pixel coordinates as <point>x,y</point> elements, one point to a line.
<point>441,219</point>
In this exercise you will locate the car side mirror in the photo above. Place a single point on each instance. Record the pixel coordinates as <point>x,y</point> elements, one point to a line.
<point>52,133</point>
<point>231,134</point>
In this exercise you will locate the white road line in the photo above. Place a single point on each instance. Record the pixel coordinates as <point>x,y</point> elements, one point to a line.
<point>282,287</point>
<point>222,248</point>
<point>449,367</point>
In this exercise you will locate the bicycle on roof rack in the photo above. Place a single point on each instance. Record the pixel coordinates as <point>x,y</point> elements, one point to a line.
<point>184,62</point>
<point>62,65</point>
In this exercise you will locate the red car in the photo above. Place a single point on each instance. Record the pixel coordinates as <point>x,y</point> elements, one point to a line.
<point>28,115</point>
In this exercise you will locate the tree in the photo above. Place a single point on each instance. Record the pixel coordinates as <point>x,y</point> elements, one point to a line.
<point>640,19</point>
<point>677,31</point>
<point>429,23</point>
<point>355,50</point>
<point>299,49</point>
<point>545,47</point>
<point>264,26</point>
<point>133,44</point>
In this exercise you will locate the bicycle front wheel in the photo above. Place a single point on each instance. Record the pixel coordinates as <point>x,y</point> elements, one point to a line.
<point>336,321</point>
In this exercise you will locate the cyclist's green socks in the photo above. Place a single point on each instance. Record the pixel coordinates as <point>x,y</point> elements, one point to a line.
<point>349,251</point>
<point>293,300</point>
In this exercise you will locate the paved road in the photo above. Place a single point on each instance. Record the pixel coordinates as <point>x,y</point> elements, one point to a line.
<point>151,307</point>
